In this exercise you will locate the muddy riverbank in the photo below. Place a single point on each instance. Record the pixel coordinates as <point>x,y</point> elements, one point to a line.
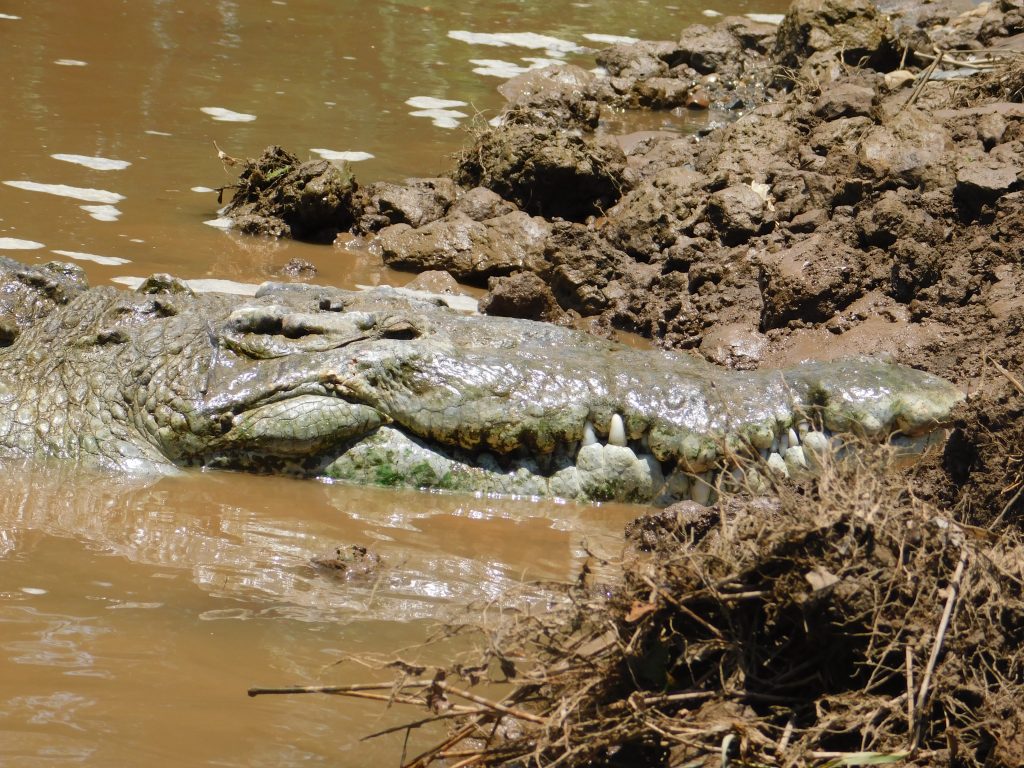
<point>867,199</point>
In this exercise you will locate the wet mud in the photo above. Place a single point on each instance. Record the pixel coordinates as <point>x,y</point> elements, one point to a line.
<point>868,198</point>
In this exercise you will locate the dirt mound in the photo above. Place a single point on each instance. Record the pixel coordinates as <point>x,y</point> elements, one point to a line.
<point>545,172</point>
<point>279,196</point>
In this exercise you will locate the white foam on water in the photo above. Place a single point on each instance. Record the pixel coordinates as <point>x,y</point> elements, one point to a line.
<point>16,244</point>
<point>536,63</point>
<point>596,37</point>
<point>9,16</point>
<point>442,118</point>
<point>202,189</point>
<point>553,45</point>
<point>766,18</point>
<point>429,102</point>
<point>107,261</point>
<point>95,163</point>
<point>33,590</point>
<point>158,133</point>
<point>85,194</point>
<point>348,156</point>
<point>711,13</point>
<point>221,222</point>
<point>227,115</point>
<point>508,70</point>
<point>201,285</point>
<point>70,63</point>
<point>102,212</point>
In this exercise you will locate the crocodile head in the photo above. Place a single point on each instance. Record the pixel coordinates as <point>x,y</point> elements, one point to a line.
<point>376,387</point>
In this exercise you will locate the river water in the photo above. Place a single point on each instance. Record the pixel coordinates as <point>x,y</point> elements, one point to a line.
<point>135,612</point>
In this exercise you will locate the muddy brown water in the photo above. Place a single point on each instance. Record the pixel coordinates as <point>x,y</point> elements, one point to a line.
<point>135,612</point>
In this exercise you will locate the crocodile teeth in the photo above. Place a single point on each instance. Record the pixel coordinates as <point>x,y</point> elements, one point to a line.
<point>589,436</point>
<point>815,442</point>
<point>617,431</point>
<point>777,464</point>
<point>793,437</point>
<point>700,490</point>
<point>795,459</point>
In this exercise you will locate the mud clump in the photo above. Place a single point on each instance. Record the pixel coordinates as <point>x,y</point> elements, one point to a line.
<point>523,295</point>
<point>545,173</point>
<point>279,196</point>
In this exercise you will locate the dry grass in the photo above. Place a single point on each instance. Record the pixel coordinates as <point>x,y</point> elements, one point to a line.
<point>845,622</point>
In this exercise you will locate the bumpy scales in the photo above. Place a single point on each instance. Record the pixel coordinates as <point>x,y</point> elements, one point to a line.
<point>377,387</point>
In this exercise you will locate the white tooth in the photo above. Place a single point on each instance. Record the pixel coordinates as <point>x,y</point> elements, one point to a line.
<point>815,442</point>
<point>777,464</point>
<point>756,483</point>
<point>617,431</point>
<point>783,442</point>
<point>775,445</point>
<point>677,487</point>
<point>589,438</point>
<point>737,479</point>
<point>700,491</point>
<point>793,438</point>
<point>803,427</point>
<point>794,459</point>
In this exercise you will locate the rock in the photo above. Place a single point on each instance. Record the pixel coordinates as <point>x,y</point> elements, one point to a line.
<point>898,214</point>
<point>751,35</point>
<point>416,202</point>
<point>651,217</point>
<point>708,49</point>
<point>472,251</point>
<point>434,281</point>
<point>698,98</point>
<point>809,281</point>
<point>981,184</point>
<point>737,213</point>
<point>298,268</point>
<point>522,294</point>
<point>639,60</point>
<point>661,93</point>
<point>733,345</point>
<point>808,221</point>
<point>844,100</point>
<point>558,96</point>
<point>911,149</point>
<point>480,203</point>
<point>991,129</point>
<point>545,172</point>
<point>854,27</point>
<point>580,267</point>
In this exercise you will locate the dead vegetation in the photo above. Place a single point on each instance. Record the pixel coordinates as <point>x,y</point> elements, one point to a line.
<point>843,622</point>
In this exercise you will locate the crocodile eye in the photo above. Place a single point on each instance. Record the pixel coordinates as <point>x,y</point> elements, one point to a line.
<point>331,305</point>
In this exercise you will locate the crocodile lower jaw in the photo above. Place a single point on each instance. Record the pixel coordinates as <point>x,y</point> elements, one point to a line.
<point>595,471</point>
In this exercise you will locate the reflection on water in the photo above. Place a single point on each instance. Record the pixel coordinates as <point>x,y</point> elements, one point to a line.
<point>386,85</point>
<point>128,604</point>
<point>134,613</point>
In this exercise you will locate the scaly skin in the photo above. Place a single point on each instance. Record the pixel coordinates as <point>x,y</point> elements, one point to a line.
<point>379,388</point>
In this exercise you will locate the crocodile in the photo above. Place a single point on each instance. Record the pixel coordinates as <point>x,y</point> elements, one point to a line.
<point>379,387</point>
